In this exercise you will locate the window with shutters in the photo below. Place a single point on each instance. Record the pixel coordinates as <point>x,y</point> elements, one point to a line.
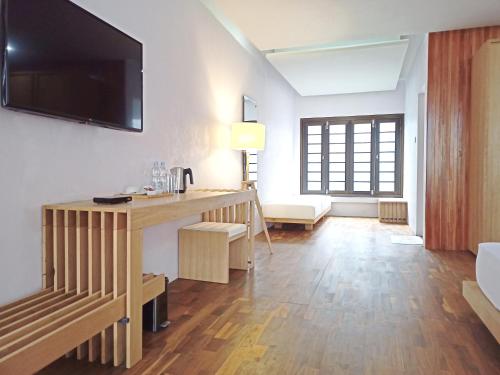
<point>352,156</point>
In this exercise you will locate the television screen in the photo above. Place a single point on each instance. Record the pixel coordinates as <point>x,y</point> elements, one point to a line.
<point>61,61</point>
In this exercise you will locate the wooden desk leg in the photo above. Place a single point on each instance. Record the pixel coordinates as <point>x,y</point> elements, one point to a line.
<point>134,297</point>
<point>251,234</point>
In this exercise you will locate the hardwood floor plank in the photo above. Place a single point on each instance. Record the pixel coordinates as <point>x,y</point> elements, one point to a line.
<point>341,299</point>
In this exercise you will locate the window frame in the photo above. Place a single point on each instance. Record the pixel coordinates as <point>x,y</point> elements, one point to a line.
<point>375,120</point>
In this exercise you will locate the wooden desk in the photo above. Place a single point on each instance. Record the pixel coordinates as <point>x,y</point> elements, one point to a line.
<point>100,248</point>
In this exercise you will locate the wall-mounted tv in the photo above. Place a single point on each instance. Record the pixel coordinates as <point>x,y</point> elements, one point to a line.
<point>61,61</point>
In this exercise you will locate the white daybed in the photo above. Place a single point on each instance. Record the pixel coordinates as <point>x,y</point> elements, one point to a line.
<point>303,209</point>
<point>484,295</point>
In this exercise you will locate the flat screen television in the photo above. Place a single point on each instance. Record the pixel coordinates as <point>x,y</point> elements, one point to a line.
<point>61,61</point>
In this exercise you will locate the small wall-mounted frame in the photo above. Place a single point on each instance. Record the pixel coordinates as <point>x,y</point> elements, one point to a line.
<point>250,159</point>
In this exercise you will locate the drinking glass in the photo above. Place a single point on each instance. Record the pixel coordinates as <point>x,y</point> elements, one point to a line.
<point>155,172</point>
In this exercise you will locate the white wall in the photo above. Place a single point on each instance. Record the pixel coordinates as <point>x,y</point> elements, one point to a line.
<point>275,179</point>
<point>415,139</point>
<point>195,75</point>
<point>352,207</point>
<point>372,103</point>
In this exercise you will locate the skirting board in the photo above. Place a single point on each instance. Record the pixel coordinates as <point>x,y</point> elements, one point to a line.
<point>482,307</point>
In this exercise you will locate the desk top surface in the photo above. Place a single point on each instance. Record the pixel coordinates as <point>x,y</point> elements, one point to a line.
<point>189,198</point>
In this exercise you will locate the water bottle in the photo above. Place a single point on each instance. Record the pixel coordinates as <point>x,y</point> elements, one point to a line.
<point>155,172</point>
<point>170,182</point>
<point>163,177</point>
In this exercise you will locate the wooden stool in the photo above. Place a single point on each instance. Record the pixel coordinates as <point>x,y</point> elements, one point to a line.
<point>208,250</point>
<point>393,211</point>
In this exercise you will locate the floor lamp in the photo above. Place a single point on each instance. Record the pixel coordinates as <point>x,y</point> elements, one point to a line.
<point>247,136</point>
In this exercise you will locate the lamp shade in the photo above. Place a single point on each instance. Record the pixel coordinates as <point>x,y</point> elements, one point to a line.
<point>248,136</point>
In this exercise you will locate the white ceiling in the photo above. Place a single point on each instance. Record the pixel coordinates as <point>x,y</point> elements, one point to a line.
<point>339,71</point>
<point>273,24</point>
<point>295,35</point>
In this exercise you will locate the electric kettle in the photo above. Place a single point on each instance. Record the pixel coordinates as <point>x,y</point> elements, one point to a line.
<point>180,174</point>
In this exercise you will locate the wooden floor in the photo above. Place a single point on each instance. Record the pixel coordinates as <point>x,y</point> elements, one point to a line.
<point>339,300</point>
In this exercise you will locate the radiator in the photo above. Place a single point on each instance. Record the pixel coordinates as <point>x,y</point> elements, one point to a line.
<point>393,211</point>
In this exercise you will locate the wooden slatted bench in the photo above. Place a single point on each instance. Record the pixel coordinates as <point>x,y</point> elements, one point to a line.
<point>37,330</point>
<point>208,250</point>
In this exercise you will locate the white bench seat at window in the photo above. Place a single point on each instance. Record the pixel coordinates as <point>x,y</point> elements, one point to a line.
<point>302,209</point>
